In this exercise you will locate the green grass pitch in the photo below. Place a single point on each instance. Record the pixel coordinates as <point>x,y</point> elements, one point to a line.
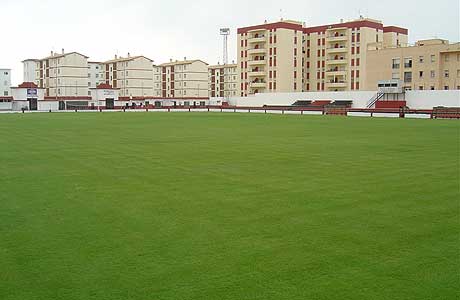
<point>228,207</point>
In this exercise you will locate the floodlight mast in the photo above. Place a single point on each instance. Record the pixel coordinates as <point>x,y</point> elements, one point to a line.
<point>225,32</point>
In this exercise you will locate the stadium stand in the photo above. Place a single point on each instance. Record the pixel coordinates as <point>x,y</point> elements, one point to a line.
<point>446,113</point>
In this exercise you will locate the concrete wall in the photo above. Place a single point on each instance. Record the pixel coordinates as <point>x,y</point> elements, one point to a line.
<point>360,99</point>
<point>415,99</point>
<point>430,99</point>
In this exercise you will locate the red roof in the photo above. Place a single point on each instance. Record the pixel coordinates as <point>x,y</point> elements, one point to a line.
<point>28,85</point>
<point>81,98</point>
<point>104,86</point>
<point>269,26</point>
<point>395,29</point>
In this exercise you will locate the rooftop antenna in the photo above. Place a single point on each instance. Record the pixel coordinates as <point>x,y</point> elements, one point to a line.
<point>225,32</point>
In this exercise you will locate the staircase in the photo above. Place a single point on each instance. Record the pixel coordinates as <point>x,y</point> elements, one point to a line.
<point>374,99</point>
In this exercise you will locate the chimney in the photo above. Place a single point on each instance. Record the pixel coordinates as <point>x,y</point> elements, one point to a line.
<point>170,60</point>
<point>116,56</point>
<point>185,57</point>
<point>62,50</point>
<point>129,55</point>
<point>52,53</point>
<point>341,21</point>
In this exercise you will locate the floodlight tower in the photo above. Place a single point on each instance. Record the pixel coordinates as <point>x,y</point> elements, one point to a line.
<point>225,32</point>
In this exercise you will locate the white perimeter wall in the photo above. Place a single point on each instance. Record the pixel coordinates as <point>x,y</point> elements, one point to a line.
<point>415,99</point>
<point>430,99</point>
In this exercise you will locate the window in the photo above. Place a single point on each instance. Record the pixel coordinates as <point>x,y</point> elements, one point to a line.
<point>395,76</point>
<point>433,74</point>
<point>421,59</point>
<point>446,58</point>
<point>458,73</point>
<point>420,87</point>
<point>446,73</point>
<point>407,77</point>
<point>420,74</point>
<point>408,62</point>
<point>89,75</point>
<point>432,88</point>
<point>396,63</point>
<point>433,58</point>
<point>5,93</point>
<point>446,87</point>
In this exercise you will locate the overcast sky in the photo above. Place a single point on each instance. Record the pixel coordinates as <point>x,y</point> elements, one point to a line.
<point>176,29</point>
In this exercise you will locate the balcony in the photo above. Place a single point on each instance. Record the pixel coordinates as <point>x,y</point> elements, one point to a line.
<point>336,38</point>
<point>257,51</point>
<point>260,62</point>
<point>255,40</point>
<point>336,84</point>
<point>339,72</point>
<point>257,74</point>
<point>337,61</point>
<point>341,49</point>
<point>258,85</point>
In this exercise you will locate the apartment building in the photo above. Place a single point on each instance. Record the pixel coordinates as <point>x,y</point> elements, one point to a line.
<point>133,75</point>
<point>63,75</point>
<point>223,80</point>
<point>30,70</point>
<point>428,65</point>
<point>95,74</point>
<point>181,79</point>
<point>5,82</point>
<point>335,56</point>
<point>270,58</point>
<point>287,56</point>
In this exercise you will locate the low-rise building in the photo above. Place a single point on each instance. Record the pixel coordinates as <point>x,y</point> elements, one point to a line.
<point>5,82</point>
<point>223,80</point>
<point>133,75</point>
<point>428,65</point>
<point>182,79</point>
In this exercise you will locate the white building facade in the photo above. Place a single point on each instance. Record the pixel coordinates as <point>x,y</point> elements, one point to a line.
<point>5,82</point>
<point>95,74</point>
<point>30,67</point>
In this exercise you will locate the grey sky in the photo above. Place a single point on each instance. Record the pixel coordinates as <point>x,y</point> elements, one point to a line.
<point>174,29</point>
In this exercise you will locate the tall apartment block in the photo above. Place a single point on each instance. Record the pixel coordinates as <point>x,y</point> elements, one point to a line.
<point>270,58</point>
<point>429,65</point>
<point>133,75</point>
<point>223,80</point>
<point>5,82</point>
<point>289,57</point>
<point>181,79</point>
<point>336,55</point>
<point>63,75</point>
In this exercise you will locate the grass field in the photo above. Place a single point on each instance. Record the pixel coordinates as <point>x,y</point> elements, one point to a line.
<point>228,206</point>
